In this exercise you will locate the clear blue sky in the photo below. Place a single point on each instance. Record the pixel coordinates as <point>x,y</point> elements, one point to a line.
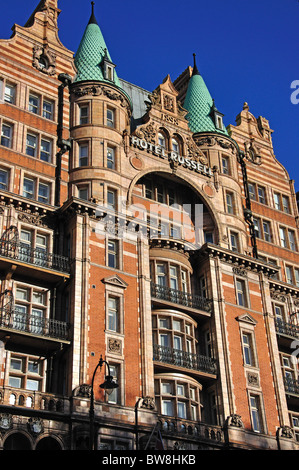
<point>246,51</point>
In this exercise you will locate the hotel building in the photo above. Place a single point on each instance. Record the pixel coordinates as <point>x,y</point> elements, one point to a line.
<point>143,243</point>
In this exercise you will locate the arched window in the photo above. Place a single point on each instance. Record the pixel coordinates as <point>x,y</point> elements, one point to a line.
<point>162,140</point>
<point>175,146</point>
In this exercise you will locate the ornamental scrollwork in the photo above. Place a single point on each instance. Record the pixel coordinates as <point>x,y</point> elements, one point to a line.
<point>44,60</point>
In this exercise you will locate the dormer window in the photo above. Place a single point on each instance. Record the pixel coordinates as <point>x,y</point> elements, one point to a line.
<point>108,68</point>
<point>219,122</point>
<point>109,73</point>
<point>217,117</point>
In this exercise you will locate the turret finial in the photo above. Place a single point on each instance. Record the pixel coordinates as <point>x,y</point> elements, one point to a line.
<point>195,69</point>
<point>92,19</point>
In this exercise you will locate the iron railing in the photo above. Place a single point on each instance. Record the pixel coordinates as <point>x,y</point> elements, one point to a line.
<point>287,329</point>
<point>179,358</point>
<point>36,256</point>
<point>15,319</point>
<point>291,385</point>
<point>182,298</point>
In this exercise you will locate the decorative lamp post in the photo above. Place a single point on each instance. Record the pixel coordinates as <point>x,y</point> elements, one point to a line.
<point>108,386</point>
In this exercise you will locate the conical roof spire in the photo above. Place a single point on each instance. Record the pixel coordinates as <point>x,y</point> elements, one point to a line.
<point>200,106</point>
<point>91,54</point>
<point>92,19</point>
<point>195,69</point>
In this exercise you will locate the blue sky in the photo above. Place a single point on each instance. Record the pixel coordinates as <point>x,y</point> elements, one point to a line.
<point>246,51</point>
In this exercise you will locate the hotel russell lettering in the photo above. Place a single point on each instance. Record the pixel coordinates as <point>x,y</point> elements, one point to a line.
<point>160,152</point>
<point>182,339</point>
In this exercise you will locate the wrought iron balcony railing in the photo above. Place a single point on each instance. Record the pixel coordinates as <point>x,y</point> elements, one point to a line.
<point>17,320</point>
<point>35,256</point>
<point>184,359</point>
<point>291,385</point>
<point>287,329</point>
<point>181,298</point>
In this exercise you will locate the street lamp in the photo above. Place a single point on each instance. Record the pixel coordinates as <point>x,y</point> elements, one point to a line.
<point>108,386</point>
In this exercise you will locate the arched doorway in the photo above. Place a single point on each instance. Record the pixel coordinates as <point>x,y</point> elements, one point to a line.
<point>48,443</point>
<point>17,441</point>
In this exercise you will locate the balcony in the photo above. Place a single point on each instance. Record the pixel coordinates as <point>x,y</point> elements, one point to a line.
<point>287,329</point>
<point>185,360</point>
<point>49,265</point>
<point>21,330</point>
<point>291,386</point>
<point>184,299</point>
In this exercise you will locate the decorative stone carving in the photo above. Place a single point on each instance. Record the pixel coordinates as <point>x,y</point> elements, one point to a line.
<point>147,133</point>
<point>252,153</point>
<point>97,90</point>
<point>148,403</point>
<point>239,271</point>
<point>35,425</point>
<point>211,141</point>
<point>253,379</point>
<point>34,219</point>
<point>278,296</point>
<point>195,152</point>
<point>168,103</point>
<point>44,60</point>
<point>5,422</point>
<point>83,391</point>
<point>114,346</point>
<point>235,420</point>
<point>285,432</point>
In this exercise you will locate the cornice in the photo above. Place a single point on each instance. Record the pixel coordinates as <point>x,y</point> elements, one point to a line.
<point>238,259</point>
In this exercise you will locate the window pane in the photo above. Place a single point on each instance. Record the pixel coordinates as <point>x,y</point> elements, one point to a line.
<point>48,109</point>
<point>32,385</point>
<point>282,235</point>
<point>16,364</point>
<point>3,179</point>
<point>292,240</point>
<point>286,204</point>
<point>251,188</point>
<point>182,413</point>
<point>167,407</point>
<point>277,201</point>
<point>6,135</point>
<point>229,203</point>
<point>110,118</point>
<point>113,314</point>
<point>9,93</point>
<point>83,155</point>
<point>261,195</point>
<point>110,159</point>
<point>43,193</point>
<point>241,293</point>
<point>83,193</point>
<point>14,382</point>
<point>111,199</point>
<point>45,152</point>
<point>225,166</point>
<point>28,188</point>
<point>33,104</point>
<point>31,145</point>
<point>84,115</point>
